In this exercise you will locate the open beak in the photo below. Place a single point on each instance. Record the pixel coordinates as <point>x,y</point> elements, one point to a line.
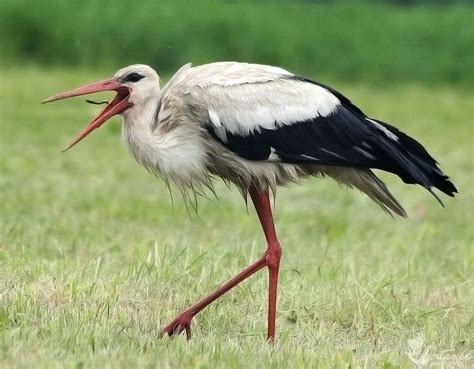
<point>116,106</point>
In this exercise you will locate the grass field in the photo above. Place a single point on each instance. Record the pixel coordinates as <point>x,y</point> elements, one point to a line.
<point>94,258</point>
<point>430,44</point>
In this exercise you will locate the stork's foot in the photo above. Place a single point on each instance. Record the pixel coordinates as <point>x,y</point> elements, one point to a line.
<point>182,323</point>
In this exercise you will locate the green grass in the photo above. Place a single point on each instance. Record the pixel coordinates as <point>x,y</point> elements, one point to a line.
<point>94,259</point>
<point>354,41</point>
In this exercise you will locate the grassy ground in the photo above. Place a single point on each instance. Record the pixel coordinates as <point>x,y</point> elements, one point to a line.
<point>94,258</point>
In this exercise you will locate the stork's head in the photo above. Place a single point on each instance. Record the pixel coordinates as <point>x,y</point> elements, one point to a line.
<point>135,86</point>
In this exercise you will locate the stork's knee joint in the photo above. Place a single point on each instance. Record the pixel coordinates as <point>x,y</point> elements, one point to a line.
<point>273,255</point>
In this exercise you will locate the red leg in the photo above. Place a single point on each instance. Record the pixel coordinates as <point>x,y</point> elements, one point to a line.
<point>183,321</point>
<point>271,258</point>
<point>262,204</point>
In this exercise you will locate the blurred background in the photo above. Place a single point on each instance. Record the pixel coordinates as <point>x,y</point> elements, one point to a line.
<point>426,41</point>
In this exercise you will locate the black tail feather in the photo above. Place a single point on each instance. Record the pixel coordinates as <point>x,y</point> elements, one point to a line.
<point>407,157</point>
<point>418,166</point>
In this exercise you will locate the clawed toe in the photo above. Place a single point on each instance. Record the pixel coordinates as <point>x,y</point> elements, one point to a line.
<point>178,325</point>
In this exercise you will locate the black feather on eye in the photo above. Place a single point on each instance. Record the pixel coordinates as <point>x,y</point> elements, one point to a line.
<point>133,77</point>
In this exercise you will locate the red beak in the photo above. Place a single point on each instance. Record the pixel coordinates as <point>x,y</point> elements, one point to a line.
<point>116,106</point>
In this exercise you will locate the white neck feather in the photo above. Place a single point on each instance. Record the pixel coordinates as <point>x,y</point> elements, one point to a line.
<point>137,131</point>
<point>178,154</point>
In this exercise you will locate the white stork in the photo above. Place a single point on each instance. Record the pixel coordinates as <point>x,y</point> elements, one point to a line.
<point>258,127</point>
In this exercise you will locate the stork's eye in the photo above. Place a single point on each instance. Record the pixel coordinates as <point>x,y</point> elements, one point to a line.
<point>133,77</point>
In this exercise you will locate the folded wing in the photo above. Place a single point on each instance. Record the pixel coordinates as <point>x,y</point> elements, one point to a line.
<point>273,115</point>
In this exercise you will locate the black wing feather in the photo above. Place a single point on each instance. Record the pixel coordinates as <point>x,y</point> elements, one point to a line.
<point>346,137</point>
